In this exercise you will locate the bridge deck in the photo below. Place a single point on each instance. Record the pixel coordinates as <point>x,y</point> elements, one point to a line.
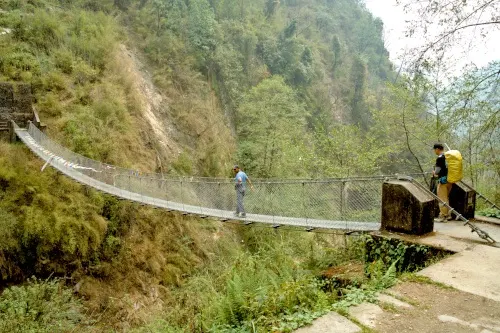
<point>191,209</point>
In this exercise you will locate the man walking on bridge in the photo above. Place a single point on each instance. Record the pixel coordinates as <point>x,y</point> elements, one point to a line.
<point>240,181</point>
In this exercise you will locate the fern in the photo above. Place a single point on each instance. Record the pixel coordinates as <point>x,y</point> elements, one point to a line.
<point>40,306</point>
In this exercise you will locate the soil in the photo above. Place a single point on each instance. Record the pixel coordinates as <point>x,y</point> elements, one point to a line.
<point>351,273</point>
<point>351,270</point>
<point>154,105</point>
<point>437,309</point>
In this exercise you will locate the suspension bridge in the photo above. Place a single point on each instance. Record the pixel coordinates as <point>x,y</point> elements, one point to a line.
<point>349,205</point>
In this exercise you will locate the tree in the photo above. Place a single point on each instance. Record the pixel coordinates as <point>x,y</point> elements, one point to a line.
<point>403,126</point>
<point>448,24</point>
<point>203,29</point>
<point>160,10</point>
<point>465,107</point>
<point>345,151</point>
<point>359,113</point>
<point>270,122</point>
<point>271,7</point>
<point>472,105</point>
<point>336,48</point>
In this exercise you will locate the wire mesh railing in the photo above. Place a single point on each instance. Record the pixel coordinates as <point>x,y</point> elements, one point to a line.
<point>350,204</point>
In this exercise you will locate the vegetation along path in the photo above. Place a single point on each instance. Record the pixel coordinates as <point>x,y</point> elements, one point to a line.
<point>458,294</point>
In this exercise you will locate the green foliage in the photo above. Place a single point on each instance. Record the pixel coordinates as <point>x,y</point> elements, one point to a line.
<point>385,260</point>
<point>40,306</point>
<point>469,119</point>
<point>266,285</point>
<point>202,29</point>
<point>183,164</point>
<point>53,220</point>
<point>248,51</point>
<point>405,257</point>
<point>271,123</point>
<point>490,212</point>
<point>345,152</point>
<point>8,225</point>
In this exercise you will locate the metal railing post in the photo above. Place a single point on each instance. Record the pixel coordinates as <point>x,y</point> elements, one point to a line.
<point>182,196</point>
<point>342,199</point>
<point>304,206</point>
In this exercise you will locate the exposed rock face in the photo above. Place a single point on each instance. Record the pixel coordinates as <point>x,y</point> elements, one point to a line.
<point>406,208</point>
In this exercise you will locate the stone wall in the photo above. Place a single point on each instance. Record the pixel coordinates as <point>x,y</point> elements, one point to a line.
<point>15,104</point>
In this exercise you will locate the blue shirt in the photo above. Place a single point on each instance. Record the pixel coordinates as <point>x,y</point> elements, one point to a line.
<point>243,177</point>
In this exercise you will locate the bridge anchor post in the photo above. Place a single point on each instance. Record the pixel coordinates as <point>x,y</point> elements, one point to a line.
<point>406,208</point>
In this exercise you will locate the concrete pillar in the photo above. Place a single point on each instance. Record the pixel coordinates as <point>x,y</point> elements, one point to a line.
<point>407,208</point>
<point>463,199</point>
<point>12,134</point>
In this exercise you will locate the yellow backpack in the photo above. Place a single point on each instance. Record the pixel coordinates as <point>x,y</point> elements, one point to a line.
<point>454,163</point>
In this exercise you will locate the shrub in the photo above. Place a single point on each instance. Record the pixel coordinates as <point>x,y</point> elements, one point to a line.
<point>490,212</point>
<point>8,225</point>
<point>40,306</point>
<point>42,30</point>
<point>64,60</point>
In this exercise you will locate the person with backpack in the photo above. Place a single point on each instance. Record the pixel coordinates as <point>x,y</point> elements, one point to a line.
<point>448,170</point>
<point>240,181</point>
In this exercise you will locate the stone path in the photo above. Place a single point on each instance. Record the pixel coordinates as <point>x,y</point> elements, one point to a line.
<point>462,293</point>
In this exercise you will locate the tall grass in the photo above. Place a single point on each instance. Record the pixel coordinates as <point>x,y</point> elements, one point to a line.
<point>268,283</point>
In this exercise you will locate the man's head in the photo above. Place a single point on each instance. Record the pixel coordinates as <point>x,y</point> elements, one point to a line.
<point>236,169</point>
<point>438,148</point>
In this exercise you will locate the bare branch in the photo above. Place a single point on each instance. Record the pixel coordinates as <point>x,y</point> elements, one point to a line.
<point>431,45</point>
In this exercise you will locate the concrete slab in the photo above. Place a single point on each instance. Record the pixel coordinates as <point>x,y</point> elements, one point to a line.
<point>475,270</point>
<point>451,236</point>
<point>482,325</point>
<point>366,314</point>
<point>458,230</point>
<point>487,219</point>
<point>393,301</point>
<point>331,323</point>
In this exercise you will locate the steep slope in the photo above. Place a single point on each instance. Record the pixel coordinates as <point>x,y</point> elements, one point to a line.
<point>165,86</point>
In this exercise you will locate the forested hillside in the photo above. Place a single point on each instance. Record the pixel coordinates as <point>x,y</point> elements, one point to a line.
<point>287,74</point>
<point>290,88</point>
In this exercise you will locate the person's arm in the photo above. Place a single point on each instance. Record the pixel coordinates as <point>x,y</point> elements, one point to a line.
<point>436,171</point>
<point>437,167</point>
<point>250,182</point>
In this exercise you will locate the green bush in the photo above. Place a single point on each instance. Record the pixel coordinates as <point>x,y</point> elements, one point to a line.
<point>9,227</point>
<point>56,224</point>
<point>40,306</point>
<point>490,212</point>
<point>64,60</point>
<point>40,30</point>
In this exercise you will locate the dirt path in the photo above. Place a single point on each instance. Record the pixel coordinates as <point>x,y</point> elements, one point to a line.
<point>438,309</point>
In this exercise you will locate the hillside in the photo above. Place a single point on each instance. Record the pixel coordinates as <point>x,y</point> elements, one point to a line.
<point>286,74</point>
<point>286,89</point>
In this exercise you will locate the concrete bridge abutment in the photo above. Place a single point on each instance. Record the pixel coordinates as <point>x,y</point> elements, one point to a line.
<point>407,208</point>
